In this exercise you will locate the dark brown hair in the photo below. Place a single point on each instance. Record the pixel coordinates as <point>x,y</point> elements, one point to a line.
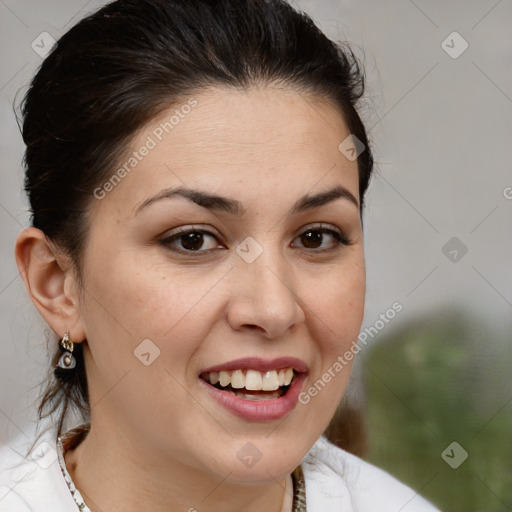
<point>118,68</point>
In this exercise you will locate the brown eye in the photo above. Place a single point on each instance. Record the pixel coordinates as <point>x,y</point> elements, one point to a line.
<point>314,237</point>
<point>191,241</point>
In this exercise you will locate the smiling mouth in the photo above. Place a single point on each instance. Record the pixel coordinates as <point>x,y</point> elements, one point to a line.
<point>252,384</point>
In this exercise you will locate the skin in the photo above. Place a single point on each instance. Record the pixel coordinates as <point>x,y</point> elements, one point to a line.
<point>157,439</point>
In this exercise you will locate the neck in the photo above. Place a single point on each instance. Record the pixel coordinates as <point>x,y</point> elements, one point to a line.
<point>111,475</point>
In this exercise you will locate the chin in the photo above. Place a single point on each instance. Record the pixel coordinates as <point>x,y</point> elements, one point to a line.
<point>262,473</point>
<point>259,460</point>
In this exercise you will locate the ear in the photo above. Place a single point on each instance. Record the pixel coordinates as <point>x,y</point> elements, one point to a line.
<point>51,282</point>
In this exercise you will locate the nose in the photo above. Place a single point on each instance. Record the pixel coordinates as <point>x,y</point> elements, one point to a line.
<point>264,296</point>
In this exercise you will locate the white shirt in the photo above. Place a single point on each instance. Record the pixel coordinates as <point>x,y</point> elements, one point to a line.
<point>336,481</point>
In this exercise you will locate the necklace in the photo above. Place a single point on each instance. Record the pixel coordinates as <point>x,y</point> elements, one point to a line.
<point>73,437</point>
<point>299,490</point>
<point>70,438</point>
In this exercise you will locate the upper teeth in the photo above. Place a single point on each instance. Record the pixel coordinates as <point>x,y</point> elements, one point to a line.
<point>252,380</point>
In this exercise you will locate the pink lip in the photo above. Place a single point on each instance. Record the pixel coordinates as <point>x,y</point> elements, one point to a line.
<point>262,365</point>
<point>264,410</point>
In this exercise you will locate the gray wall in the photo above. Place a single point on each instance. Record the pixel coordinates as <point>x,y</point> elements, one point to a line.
<point>440,128</point>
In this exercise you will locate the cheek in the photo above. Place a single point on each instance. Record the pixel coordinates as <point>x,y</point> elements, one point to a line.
<point>335,313</point>
<point>338,305</point>
<point>127,304</point>
<point>131,299</point>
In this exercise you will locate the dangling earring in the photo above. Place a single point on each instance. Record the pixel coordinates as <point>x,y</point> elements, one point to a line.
<point>67,360</point>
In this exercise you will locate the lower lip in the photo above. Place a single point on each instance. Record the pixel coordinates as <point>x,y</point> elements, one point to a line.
<point>262,410</point>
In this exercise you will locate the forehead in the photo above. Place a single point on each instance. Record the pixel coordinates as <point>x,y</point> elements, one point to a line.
<point>251,142</point>
<point>263,119</point>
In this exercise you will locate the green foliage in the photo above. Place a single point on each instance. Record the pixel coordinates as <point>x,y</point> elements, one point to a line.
<point>439,380</point>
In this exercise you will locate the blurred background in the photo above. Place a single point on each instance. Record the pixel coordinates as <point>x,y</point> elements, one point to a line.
<point>432,389</point>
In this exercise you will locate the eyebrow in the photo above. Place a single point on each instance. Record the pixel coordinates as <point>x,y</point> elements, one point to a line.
<point>235,207</point>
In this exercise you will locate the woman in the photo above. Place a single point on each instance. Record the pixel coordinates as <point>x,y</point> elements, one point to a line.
<point>196,173</point>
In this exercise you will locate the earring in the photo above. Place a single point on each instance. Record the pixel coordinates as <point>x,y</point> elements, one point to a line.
<point>67,360</point>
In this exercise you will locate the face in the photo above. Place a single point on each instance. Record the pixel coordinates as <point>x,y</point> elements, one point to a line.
<point>179,287</point>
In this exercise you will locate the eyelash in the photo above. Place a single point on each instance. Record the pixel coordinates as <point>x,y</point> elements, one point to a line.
<point>340,239</point>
